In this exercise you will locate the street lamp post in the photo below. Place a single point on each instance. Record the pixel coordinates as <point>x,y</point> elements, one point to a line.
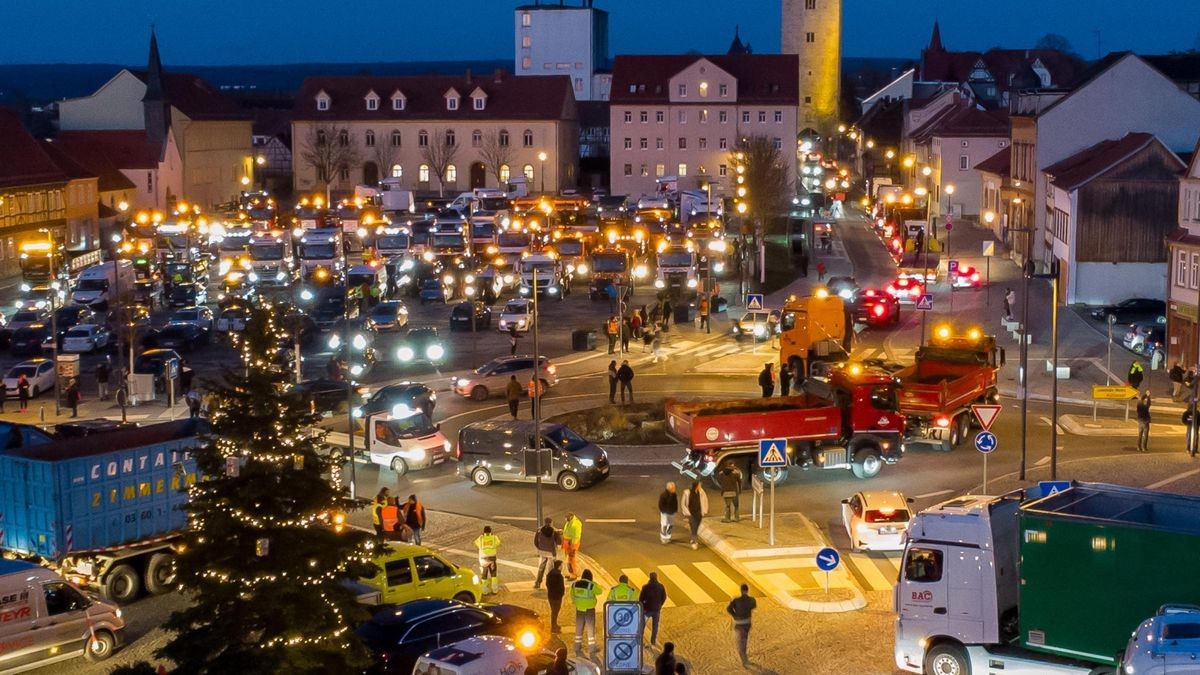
<point>542,172</point>
<point>536,403</point>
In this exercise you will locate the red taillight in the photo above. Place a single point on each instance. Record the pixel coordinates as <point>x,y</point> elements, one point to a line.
<point>878,310</point>
<point>896,243</point>
<point>870,293</point>
<point>975,276</point>
<point>943,422</point>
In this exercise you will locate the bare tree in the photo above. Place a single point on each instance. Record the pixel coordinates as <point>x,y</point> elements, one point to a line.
<point>767,184</point>
<point>438,153</point>
<point>495,155</point>
<point>328,149</point>
<point>386,155</point>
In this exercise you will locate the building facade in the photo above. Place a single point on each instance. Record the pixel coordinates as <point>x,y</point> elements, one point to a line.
<point>561,39</point>
<point>155,171</point>
<point>1183,274</point>
<point>492,129</point>
<point>683,115</point>
<point>812,29</point>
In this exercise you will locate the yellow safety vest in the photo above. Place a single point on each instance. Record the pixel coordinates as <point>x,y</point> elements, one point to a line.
<point>584,594</point>
<point>573,530</point>
<point>376,515</point>
<point>623,593</point>
<point>487,544</point>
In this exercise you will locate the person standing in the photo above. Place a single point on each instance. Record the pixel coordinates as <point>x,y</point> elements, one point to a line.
<point>1136,373</point>
<point>23,392</point>
<point>694,505</point>
<point>665,663</point>
<point>572,535</point>
<point>584,594</point>
<point>512,395</point>
<point>766,380</point>
<point>623,591</point>
<point>413,515</point>
<point>666,314</point>
<point>785,380</point>
<point>102,372</point>
<point>635,324</point>
<point>702,309</point>
<point>1010,298</point>
<point>512,340</point>
<point>654,596</point>
<point>555,590</point>
<point>730,480</point>
<point>741,608</point>
<point>626,333</point>
<point>546,540</point>
<point>1143,419</point>
<point>1175,375</point>
<point>625,378</point>
<point>610,330</point>
<point>73,396</point>
<point>193,403</point>
<point>381,500</point>
<point>820,271</point>
<point>612,381</point>
<point>488,545</point>
<point>668,506</point>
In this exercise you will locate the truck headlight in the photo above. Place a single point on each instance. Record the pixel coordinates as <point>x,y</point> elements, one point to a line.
<point>280,276</point>
<point>582,269</point>
<point>659,283</point>
<point>446,445</point>
<point>435,352</point>
<point>360,342</point>
<point>357,412</point>
<point>405,354</point>
<point>691,283</point>
<point>306,295</point>
<point>335,341</point>
<point>553,290</point>
<point>25,288</point>
<point>417,455</point>
<point>356,370</point>
<point>719,267</point>
<point>253,277</point>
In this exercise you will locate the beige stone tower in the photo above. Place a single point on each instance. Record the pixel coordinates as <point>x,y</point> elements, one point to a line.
<point>812,29</point>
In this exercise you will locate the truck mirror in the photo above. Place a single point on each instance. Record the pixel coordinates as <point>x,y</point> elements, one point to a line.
<point>910,500</point>
<point>847,501</point>
<point>1002,356</point>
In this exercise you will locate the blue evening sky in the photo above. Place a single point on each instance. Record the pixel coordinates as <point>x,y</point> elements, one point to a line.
<point>222,32</point>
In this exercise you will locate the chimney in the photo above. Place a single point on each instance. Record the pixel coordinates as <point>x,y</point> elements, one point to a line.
<point>468,76</point>
<point>499,76</point>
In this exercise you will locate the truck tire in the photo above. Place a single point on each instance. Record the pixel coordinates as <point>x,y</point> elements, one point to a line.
<point>867,462</point>
<point>160,573</point>
<point>956,431</point>
<point>122,585</point>
<point>481,477</point>
<point>947,658</point>
<point>765,475</point>
<point>100,647</point>
<point>568,481</point>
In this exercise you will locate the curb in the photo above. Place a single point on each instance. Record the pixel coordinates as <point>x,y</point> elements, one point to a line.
<point>729,554</point>
<point>1083,427</point>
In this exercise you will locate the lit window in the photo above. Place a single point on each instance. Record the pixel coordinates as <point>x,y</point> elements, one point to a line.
<point>526,63</point>
<point>527,170</point>
<point>703,116</point>
<point>451,174</point>
<point>526,41</point>
<point>423,173</point>
<point>505,172</point>
<point>660,170</point>
<point>703,89</point>
<point>526,19</point>
<point>682,169</point>
<point>397,171</point>
<point>644,171</point>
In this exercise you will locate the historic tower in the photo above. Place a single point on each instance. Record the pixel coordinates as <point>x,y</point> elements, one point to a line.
<point>812,29</point>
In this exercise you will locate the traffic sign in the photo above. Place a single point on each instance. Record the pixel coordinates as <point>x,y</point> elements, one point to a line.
<point>989,249</point>
<point>1112,392</point>
<point>1053,487</point>
<point>828,559</point>
<point>925,302</point>
<point>772,452</point>
<point>623,637</point>
<point>986,415</point>
<point>754,301</point>
<point>622,619</point>
<point>986,442</point>
<point>952,266</point>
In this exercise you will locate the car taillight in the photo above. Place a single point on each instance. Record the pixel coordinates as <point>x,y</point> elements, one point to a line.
<point>975,276</point>
<point>943,422</point>
<point>878,310</point>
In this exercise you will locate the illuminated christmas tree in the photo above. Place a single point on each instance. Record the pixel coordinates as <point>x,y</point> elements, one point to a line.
<point>267,545</point>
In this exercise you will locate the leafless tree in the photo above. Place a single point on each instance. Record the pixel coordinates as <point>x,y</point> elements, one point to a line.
<point>438,153</point>
<point>386,155</point>
<point>494,155</point>
<point>767,184</point>
<point>328,149</point>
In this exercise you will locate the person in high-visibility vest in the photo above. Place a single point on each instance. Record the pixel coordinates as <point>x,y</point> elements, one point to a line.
<point>623,591</point>
<point>572,534</point>
<point>584,595</point>
<point>488,545</point>
<point>381,501</point>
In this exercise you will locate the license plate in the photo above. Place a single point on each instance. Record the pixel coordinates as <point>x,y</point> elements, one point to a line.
<point>438,460</point>
<point>887,530</point>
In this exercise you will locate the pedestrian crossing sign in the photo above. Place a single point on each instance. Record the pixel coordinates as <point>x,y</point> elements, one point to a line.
<point>772,452</point>
<point>925,303</point>
<point>754,301</point>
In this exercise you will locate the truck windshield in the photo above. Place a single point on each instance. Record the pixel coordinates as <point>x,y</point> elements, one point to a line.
<point>570,247</point>
<point>260,213</point>
<point>38,265</point>
<point>674,259</point>
<point>483,230</point>
<point>513,239</point>
<point>414,426</point>
<point>608,263</point>
<point>566,439</point>
<point>540,266</point>
<point>267,251</point>
<point>393,242</point>
<point>233,244</point>
<point>448,241</point>
<point>317,251</point>
<point>950,355</point>
<point>92,285</point>
<point>360,279</point>
<point>492,203</point>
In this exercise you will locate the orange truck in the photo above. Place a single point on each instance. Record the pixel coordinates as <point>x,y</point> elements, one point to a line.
<point>812,333</point>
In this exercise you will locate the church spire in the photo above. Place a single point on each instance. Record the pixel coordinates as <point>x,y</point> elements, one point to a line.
<point>935,42</point>
<point>154,87</point>
<point>737,47</point>
<point>155,109</point>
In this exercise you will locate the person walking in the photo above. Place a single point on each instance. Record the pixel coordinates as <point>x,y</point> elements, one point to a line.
<point>694,505</point>
<point>820,271</point>
<point>666,314</point>
<point>635,324</point>
<point>741,608</point>
<point>1010,299</point>
<point>623,591</point>
<point>785,380</point>
<point>654,596</point>
<point>612,381</point>
<point>625,378</point>
<point>572,535</point>
<point>668,506</point>
<point>610,330</point>
<point>656,344</point>
<point>546,540</point>
<point>73,396</point>
<point>584,594</point>
<point>555,590</point>
<point>102,371</point>
<point>702,309</point>
<point>381,500</point>
<point>512,395</point>
<point>730,480</point>
<point>23,392</point>
<point>513,336</point>
<point>488,545</point>
<point>1143,420</point>
<point>1136,374</point>
<point>665,663</point>
<point>1175,375</point>
<point>766,380</point>
<point>413,515</point>
<point>626,333</point>
<point>192,398</point>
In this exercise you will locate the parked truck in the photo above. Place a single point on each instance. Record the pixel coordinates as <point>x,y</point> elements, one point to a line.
<point>105,511</point>
<point>857,427</point>
<point>949,375</point>
<point>610,265</point>
<point>676,269</point>
<point>812,333</point>
<point>1027,583</point>
<point>321,255</point>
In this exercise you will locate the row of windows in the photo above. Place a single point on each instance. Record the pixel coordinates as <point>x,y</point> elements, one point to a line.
<point>701,143</point>
<point>701,116</point>
<point>681,169</point>
<point>423,138</point>
<point>1187,269</point>
<point>399,103</point>
<point>423,172</point>
<point>1189,198</point>
<point>722,90</point>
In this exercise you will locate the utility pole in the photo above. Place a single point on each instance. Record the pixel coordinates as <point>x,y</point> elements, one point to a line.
<point>536,402</point>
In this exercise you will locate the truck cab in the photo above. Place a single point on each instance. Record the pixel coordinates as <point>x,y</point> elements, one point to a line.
<point>950,373</point>
<point>812,329</point>
<point>272,263</point>
<point>609,265</point>
<point>549,275</point>
<point>676,269</point>
<point>321,251</point>
<point>405,440</point>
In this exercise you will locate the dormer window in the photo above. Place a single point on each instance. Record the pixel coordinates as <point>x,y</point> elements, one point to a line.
<point>372,100</point>
<point>322,101</point>
<point>452,96</point>
<point>480,103</point>
<point>398,100</point>
<point>478,99</point>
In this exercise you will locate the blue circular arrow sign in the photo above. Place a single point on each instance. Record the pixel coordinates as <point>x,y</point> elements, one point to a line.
<point>986,441</point>
<point>828,559</point>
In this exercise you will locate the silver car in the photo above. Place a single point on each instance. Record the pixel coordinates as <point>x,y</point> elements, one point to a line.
<point>492,377</point>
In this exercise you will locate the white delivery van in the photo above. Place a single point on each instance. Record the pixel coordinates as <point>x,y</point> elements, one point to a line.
<point>44,619</point>
<point>393,197</point>
<point>100,284</point>
<point>405,440</point>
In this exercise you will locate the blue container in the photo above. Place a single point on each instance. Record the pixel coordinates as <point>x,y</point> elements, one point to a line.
<point>97,492</point>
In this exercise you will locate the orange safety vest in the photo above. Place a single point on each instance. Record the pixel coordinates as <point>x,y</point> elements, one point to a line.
<point>612,327</point>
<point>388,515</point>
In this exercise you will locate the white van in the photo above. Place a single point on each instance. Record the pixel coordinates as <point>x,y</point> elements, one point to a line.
<point>100,284</point>
<point>44,619</point>
<point>491,654</point>
<point>405,440</point>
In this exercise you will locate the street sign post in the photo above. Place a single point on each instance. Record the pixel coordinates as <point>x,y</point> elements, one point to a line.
<point>986,415</point>
<point>952,267</point>
<point>756,504</point>
<point>772,454</point>
<point>623,637</point>
<point>827,561</point>
<point>1113,392</point>
<point>754,301</point>
<point>925,302</point>
<point>1053,487</point>
<point>986,443</point>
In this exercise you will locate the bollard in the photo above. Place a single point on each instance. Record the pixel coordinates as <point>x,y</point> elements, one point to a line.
<point>42,412</point>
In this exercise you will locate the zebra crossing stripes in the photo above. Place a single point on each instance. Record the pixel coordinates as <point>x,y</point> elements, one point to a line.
<point>699,583</point>
<point>875,571</point>
<point>639,578</point>
<point>690,588</point>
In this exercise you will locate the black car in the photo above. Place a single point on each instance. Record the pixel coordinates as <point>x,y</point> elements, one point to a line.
<point>1133,310</point>
<point>421,344</point>
<point>28,341</point>
<point>844,287</point>
<point>412,394</point>
<point>327,396</point>
<point>460,316</point>
<point>177,336</point>
<point>397,635</point>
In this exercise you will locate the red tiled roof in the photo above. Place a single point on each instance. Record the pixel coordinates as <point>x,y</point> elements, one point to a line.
<point>1011,68</point>
<point>73,169</point>
<point>196,98</point>
<point>999,163</point>
<point>1085,165</point>
<point>108,177</point>
<point>124,150</point>
<point>531,97</point>
<point>23,161</point>
<point>762,78</point>
<point>966,120</point>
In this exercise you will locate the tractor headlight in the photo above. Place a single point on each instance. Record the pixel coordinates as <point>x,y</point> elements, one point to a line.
<point>405,354</point>
<point>435,352</point>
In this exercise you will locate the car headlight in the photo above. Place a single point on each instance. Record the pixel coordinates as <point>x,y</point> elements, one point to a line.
<point>26,288</point>
<point>417,455</point>
<point>306,295</point>
<point>335,341</point>
<point>253,277</point>
<point>357,412</point>
<point>460,382</point>
<point>356,369</point>
<point>470,290</point>
<point>446,445</point>
<point>582,269</point>
<point>583,461</point>
<point>553,290</point>
<point>524,290</point>
<point>719,267</point>
<point>360,342</point>
<point>405,354</point>
<point>845,293</point>
<point>528,639</point>
<point>435,352</point>
<point>760,331</point>
<point>404,279</point>
<point>659,283</point>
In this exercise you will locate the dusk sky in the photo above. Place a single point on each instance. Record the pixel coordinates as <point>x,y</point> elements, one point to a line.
<point>277,31</point>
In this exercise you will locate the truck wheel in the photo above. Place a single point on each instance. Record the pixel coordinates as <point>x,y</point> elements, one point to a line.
<point>568,481</point>
<point>160,573</point>
<point>479,393</point>
<point>481,477</point>
<point>100,647</point>
<point>965,425</point>
<point>399,466</point>
<point>947,659</point>
<point>867,462</point>
<point>956,434</point>
<point>766,475</point>
<point>122,585</point>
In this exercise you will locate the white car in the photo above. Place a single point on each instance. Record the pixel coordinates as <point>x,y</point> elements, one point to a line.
<point>518,313</point>
<point>84,338</point>
<point>233,319</point>
<point>876,521</point>
<point>487,654</point>
<point>39,372</point>
<point>200,317</point>
<point>1166,644</point>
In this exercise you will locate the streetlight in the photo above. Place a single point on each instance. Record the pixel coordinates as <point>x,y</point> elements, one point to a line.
<point>989,217</point>
<point>542,169</point>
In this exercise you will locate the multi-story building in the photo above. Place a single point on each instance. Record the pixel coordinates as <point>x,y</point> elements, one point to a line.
<point>683,115</point>
<point>562,39</point>
<point>812,29</point>
<point>954,141</point>
<point>480,131</point>
<point>155,170</point>
<point>1183,270</point>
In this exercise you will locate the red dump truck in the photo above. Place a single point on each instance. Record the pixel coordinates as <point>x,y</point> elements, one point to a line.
<point>856,427</point>
<point>949,374</point>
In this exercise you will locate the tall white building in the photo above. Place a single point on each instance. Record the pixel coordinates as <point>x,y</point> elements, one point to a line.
<point>561,39</point>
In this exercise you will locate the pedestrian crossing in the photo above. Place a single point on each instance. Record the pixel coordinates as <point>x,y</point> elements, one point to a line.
<point>697,583</point>
<point>797,571</point>
<point>707,349</point>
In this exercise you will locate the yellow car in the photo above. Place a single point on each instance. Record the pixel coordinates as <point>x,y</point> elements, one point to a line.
<point>410,572</point>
